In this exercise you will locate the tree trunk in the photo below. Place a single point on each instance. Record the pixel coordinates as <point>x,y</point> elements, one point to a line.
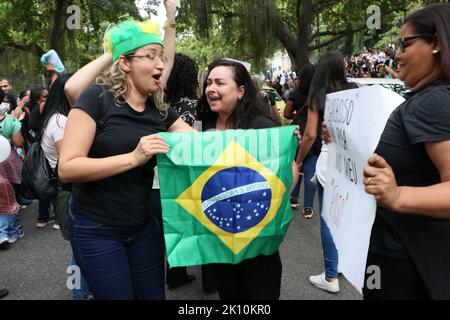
<point>59,28</point>
<point>296,46</point>
<point>349,38</point>
<point>302,57</point>
<point>305,18</point>
<point>284,35</point>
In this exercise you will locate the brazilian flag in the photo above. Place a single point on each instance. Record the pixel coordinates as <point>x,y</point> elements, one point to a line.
<point>225,194</point>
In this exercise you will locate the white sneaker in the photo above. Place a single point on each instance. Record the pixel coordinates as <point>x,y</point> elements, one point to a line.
<point>308,213</point>
<point>14,239</point>
<point>320,282</point>
<point>3,241</point>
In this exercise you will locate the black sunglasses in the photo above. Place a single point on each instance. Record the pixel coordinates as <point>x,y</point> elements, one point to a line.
<point>402,41</point>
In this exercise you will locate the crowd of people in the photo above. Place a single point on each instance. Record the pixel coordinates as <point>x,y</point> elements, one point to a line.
<point>98,129</point>
<point>379,64</point>
<point>373,64</point>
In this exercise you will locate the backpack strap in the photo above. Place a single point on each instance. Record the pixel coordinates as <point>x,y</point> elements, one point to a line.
<point>298,112</point>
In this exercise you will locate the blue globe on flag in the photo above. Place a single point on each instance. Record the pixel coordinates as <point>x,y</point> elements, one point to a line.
<point>236,199</point>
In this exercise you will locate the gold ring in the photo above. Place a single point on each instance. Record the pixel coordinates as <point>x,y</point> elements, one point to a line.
<point>368,180</point>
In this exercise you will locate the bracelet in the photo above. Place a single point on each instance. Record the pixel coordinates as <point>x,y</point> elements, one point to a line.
<point>170,25</point>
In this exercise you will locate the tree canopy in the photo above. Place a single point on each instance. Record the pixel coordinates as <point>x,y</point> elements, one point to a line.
<point>32,27</point>
<point>301,27</point>
<point>242,29</point>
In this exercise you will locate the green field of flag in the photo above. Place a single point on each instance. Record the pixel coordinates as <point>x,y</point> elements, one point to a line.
<point>225,194</point>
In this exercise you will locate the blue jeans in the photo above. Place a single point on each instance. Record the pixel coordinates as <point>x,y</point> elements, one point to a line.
<point>80,293</point>
<point>8,226</point>
<point>308,170</point>
<point>44,207</point>
<point>330,254</point>
<point>119,263</point>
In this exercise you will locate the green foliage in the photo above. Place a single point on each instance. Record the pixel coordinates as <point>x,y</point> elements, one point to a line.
<point>229,28</point>
<point>28,25</point>
<point>307,26</point>
<point>249,30</point>
<point>204,52</point>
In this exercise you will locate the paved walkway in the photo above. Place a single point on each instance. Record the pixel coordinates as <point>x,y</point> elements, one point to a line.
<point>34,268</point>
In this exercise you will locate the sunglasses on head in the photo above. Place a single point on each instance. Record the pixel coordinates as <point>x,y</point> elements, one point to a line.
<point>402,42</point>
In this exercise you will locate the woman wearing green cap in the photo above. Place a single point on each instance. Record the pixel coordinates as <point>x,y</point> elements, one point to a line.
<point>109,152</point>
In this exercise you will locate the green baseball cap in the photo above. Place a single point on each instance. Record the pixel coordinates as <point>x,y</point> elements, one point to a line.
<point>131,35</point>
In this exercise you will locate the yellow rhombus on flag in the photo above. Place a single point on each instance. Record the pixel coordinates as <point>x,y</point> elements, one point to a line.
<point>224,194</point>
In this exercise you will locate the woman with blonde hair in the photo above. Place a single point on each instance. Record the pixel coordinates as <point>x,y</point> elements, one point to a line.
<point>109,149</point>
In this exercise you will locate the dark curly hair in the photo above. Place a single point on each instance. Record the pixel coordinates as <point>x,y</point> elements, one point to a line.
<point>247,108</point>
<point>182,82</point>
<point>35,95</point>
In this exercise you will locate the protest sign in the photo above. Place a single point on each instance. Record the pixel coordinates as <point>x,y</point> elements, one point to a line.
<point>355,119</point>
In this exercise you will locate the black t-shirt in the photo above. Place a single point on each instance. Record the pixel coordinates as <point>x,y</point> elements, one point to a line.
<point>424,117</point>
<point>299,100</point>
<point>261,122</point>
<point>34,123</point>
<point>124,199</point>
<point>301,116</point>
<point>258,122</point>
